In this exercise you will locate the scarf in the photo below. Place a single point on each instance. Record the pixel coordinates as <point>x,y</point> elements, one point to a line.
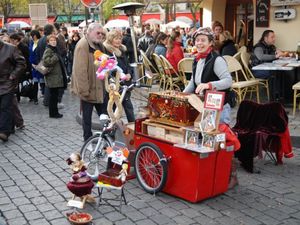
<point>203,55</point>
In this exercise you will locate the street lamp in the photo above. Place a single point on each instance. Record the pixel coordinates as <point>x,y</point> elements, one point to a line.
<point>130,10</point>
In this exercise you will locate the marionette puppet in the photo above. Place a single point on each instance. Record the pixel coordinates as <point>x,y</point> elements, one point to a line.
<point>80,183</point>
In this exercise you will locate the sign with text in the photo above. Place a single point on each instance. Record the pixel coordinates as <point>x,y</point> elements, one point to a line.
<point>284,2</point>
<point>284,14</point>
<point>262,13</point>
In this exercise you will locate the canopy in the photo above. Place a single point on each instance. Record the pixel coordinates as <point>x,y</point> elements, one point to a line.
<point>153,21</point>
<point>21,23</point>
<point>83,24</point>
<point>184,19</point>
<point>117,23</point>
<point>176,23</point>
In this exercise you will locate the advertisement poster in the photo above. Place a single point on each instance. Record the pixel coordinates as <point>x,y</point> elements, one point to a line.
<point>262,13</point>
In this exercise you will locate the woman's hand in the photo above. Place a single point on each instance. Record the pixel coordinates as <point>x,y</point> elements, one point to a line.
<point>128,77</point>
<point>201,87</point>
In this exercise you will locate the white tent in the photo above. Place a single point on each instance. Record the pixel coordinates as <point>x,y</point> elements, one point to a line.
<point>83,23</point>
<point>21,23</point>
<point>184,19</point>
<point>117,23</point>
<point>175,24</point>
<point>153,21</point>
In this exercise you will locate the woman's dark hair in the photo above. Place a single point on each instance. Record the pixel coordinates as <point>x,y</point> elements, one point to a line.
<point>35,33</point>
<point>75,34</point>
<point>173,36</point>
<point>15,36</point>
<point>265,34</point>
<point>160,37</point>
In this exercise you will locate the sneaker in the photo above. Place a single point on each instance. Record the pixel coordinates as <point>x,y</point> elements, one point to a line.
<point>21,127</point>
<point>3,137</point>
<point>60,105</point>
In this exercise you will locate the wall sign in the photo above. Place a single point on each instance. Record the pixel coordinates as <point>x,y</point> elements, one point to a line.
<point>284,14</point>
<point>284,2</point>
<point>262,13</point>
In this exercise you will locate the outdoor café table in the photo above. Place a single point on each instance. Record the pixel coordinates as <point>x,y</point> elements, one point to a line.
<point>282,76</point>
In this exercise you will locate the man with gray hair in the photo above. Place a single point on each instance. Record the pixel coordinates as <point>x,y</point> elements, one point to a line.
<point>84,84</point>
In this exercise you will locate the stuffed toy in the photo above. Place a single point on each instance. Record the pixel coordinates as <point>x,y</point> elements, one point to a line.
<point>123,172</point>
<point>105,64</point>
<point>80,184</point>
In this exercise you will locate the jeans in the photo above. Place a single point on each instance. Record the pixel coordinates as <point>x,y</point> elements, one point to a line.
<point>6,113</point>
<point>46,95</point>
<point>263,74</point>
<point>18,120</point>
<point>128,107</point>
<point>87,110</point>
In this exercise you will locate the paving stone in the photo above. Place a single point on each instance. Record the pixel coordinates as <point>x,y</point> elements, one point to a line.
<point>38,200</point>
<point>183,220</point>
<point>145,222</point>
<point>134,216</point>
<point>4,200</point>
<point>114,216</point>
<point>17,221</point>
<point>169,212</point>
<point>27,208</point>
<point>11,214</point>
<point>102,221</point>
<point>190,213</point>
<point>211,213</point>
<point>124,222</point>
<point>33,215</point>
<point>149,211</point>
<point>161,219</point>
<point>21,201</point>
<point>39,222</point>
<point>61,221</point>
<point>52,214</point>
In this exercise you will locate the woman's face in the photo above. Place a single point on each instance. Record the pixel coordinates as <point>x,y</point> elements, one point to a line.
<point>75,38</point>
<point>117,41</point>
<point>165,41</point>
<point>52,42</point>
<point>202,43</point>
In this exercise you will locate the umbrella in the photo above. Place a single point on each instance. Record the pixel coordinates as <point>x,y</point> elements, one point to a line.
<point>175,24</point>
<point>117,23</point>
<point>153,21</point>
<point>21,23</point>
<point>184,19</point>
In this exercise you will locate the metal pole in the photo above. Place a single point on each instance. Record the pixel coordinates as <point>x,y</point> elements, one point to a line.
<point>131,24</point>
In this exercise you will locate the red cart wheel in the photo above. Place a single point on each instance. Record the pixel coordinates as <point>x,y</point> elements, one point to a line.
<point>150,168</point>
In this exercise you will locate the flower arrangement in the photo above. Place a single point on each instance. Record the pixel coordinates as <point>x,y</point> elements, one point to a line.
<point>105,64</point>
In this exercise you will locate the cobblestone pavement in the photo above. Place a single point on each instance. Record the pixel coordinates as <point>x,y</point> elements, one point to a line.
<point>34,175</point>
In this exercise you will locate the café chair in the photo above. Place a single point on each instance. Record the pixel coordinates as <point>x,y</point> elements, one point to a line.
<point>237,56</point>
<point>262,127</point>
<point>160,68</point>
<point>148,66</point>
<point>242,49</point>
<point>174,80</point>
<point>245,58</point>
<point>185,66</point>
<point>241,84</point>
<point>296,88</point>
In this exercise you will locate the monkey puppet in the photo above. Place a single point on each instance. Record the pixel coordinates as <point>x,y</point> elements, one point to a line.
<point>114,97</point>
<point>80,184</point>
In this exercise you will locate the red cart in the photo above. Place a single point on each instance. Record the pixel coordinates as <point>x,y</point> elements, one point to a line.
<point>161,165</point>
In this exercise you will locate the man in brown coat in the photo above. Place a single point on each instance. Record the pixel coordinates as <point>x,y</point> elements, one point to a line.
<point>12,65</point>
<point>84,84</point>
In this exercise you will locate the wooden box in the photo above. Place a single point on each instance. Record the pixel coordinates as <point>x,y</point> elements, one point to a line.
<point>171,107</point>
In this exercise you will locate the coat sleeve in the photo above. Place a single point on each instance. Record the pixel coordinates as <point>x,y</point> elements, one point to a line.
<point>20,63</point>
<point>80,68</point>
<point>50,58</point>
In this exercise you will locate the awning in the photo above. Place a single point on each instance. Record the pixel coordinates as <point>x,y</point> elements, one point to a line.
<point>74,18</point>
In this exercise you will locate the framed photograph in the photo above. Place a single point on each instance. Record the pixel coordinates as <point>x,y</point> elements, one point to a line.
<point>192,137</point>
<point>214,100</point>
<point>262,13</point>
<point>208,141</point>
<point>209,120</point>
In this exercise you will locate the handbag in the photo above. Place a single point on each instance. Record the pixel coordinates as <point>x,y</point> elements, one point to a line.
<point>26,89</point>
<point>41,68</point>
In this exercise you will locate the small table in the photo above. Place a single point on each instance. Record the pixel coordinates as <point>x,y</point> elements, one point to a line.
<point>273,66</point>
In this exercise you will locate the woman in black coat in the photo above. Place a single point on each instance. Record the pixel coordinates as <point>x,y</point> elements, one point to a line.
<point>113,45</point>
<point>228,45</point>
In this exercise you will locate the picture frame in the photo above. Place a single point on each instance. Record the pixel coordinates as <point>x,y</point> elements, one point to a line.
<point>209,120</point>
<point>192,138</point>
<point>214,100</point>
<point>208,142</point>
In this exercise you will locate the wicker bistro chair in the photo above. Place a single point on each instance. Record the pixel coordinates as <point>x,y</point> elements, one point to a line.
<point>160,67</point>
<point>174,80</point>
<point>241,86</point>
<point>185,66</point>
<point>148,66</point>
<point>245,57</point>
<point>296,88</point>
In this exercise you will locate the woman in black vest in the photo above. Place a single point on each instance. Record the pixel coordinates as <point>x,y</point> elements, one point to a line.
<point>210,71</point>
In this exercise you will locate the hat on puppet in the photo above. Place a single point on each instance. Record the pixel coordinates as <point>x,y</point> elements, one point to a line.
<point>203,31</point>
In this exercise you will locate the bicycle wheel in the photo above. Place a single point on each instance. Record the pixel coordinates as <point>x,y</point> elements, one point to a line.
<point>150,168</point>
<point>94,155</point>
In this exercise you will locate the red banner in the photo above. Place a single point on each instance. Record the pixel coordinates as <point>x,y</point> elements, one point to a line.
<point>91,3</point>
